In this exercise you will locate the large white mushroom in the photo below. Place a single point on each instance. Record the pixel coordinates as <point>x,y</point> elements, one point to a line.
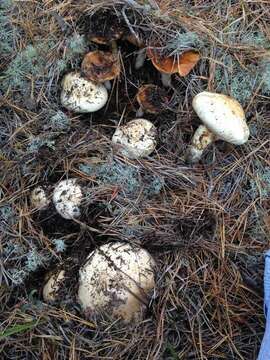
<point>39,199</point>
<point>223,118</point>
<point>136,139</point>
<point>67,198</point>
<point>82,95</point>
<point>53,285</point>
<point>117,279</point>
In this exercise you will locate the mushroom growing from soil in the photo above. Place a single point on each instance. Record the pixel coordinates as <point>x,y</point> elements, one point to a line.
<point>141,53</point>
<point>168,65</point>
<point>67,198</point>
<point>101,67</point>
<point>106,28</point>
<point>117,279</point>
<point>223,118</point>
<point>136,139</point>
<point>53,285</point>
<point>39,198</point>
<point>81,95</point>
<point>152,99</point>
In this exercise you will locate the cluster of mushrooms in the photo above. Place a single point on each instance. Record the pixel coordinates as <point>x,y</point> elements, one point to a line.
<point>86,91</point>
<point>118,278</point>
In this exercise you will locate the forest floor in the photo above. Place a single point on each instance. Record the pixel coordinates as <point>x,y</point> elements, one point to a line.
<point>207,225</point>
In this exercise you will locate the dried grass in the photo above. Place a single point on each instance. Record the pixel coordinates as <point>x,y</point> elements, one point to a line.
<point>207,225</point>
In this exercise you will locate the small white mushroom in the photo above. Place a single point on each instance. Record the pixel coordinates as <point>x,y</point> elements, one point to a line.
<point>67,198</point>
<point>117,279</point>
<point>137,139</point>
<point>53,285</point>
<point>39,198</point>
<point>81,95</point>
<point>223,118</point>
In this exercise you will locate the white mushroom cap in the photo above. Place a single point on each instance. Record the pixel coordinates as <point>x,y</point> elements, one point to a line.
<point>138,138</point>
<point>53,285</point>
<point>222,115</point>
<point>117,279</point>
<point>67,197</point>
<point>81,95</point>
<point>39,198</point>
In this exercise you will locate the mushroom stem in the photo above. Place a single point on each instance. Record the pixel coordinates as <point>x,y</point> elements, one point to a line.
<point>114,47</point>
<point>140,58</point>
<point>166,79</point>
<point>201,139</point>
<point>139,112</point>
<point>107,85</point>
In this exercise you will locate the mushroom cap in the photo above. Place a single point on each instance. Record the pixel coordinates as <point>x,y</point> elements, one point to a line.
<point>138,138</point>
<point>39,198</point>
<point>105,27</point>
<point>181,64</point>
<point>100,66</point>
<point>152,98</point>
<point>67,198</point>
<point>81,95</point>
<point>117,279</point>
<point>222,115</point>
<point>53,285</point>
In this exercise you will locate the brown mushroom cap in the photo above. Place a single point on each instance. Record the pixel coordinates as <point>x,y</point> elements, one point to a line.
<point>100,66</point>
<point>105,27</point>
<point>182,64</point>
<point>152,98</point>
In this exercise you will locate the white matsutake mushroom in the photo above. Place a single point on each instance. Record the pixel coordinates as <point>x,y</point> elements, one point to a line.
<point>53,285</point>
<point>117,279</point>
<point>82,95</point>
<point>136,139</point>
<point>39,199</point>
<point>67,198</point>
<point>223,119</point>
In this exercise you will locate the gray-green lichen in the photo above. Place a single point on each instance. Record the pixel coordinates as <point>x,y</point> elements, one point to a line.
<point>233,79</point>
<point>127,177</point>
<point>58,121</point>
<point>36,143</point>
<point>183,41</point>
<point>260,185</point>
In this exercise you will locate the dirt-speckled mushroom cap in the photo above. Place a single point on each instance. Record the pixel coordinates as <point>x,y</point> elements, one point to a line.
<point>222,115</point>
<point>136,139</point>
<point>117,279</point>
<point>82,95</point>
<point>39,198</point>
<point>105,27</point>
<point>67,198</point>
<point>152,98</point>
<point>100,66</point>
<point>53,285</point>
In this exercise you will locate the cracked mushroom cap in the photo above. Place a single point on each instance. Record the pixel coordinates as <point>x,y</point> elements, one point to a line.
<point>39,199</point>
<point>100,66</point>
<point>67,198</point>
<point>117,279</point>
<point>53,285</point>
<point>81,95</point>
<point>181,64</point>
<point>152,98</point>
<point>223,116</point>
<point>137,139</point>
